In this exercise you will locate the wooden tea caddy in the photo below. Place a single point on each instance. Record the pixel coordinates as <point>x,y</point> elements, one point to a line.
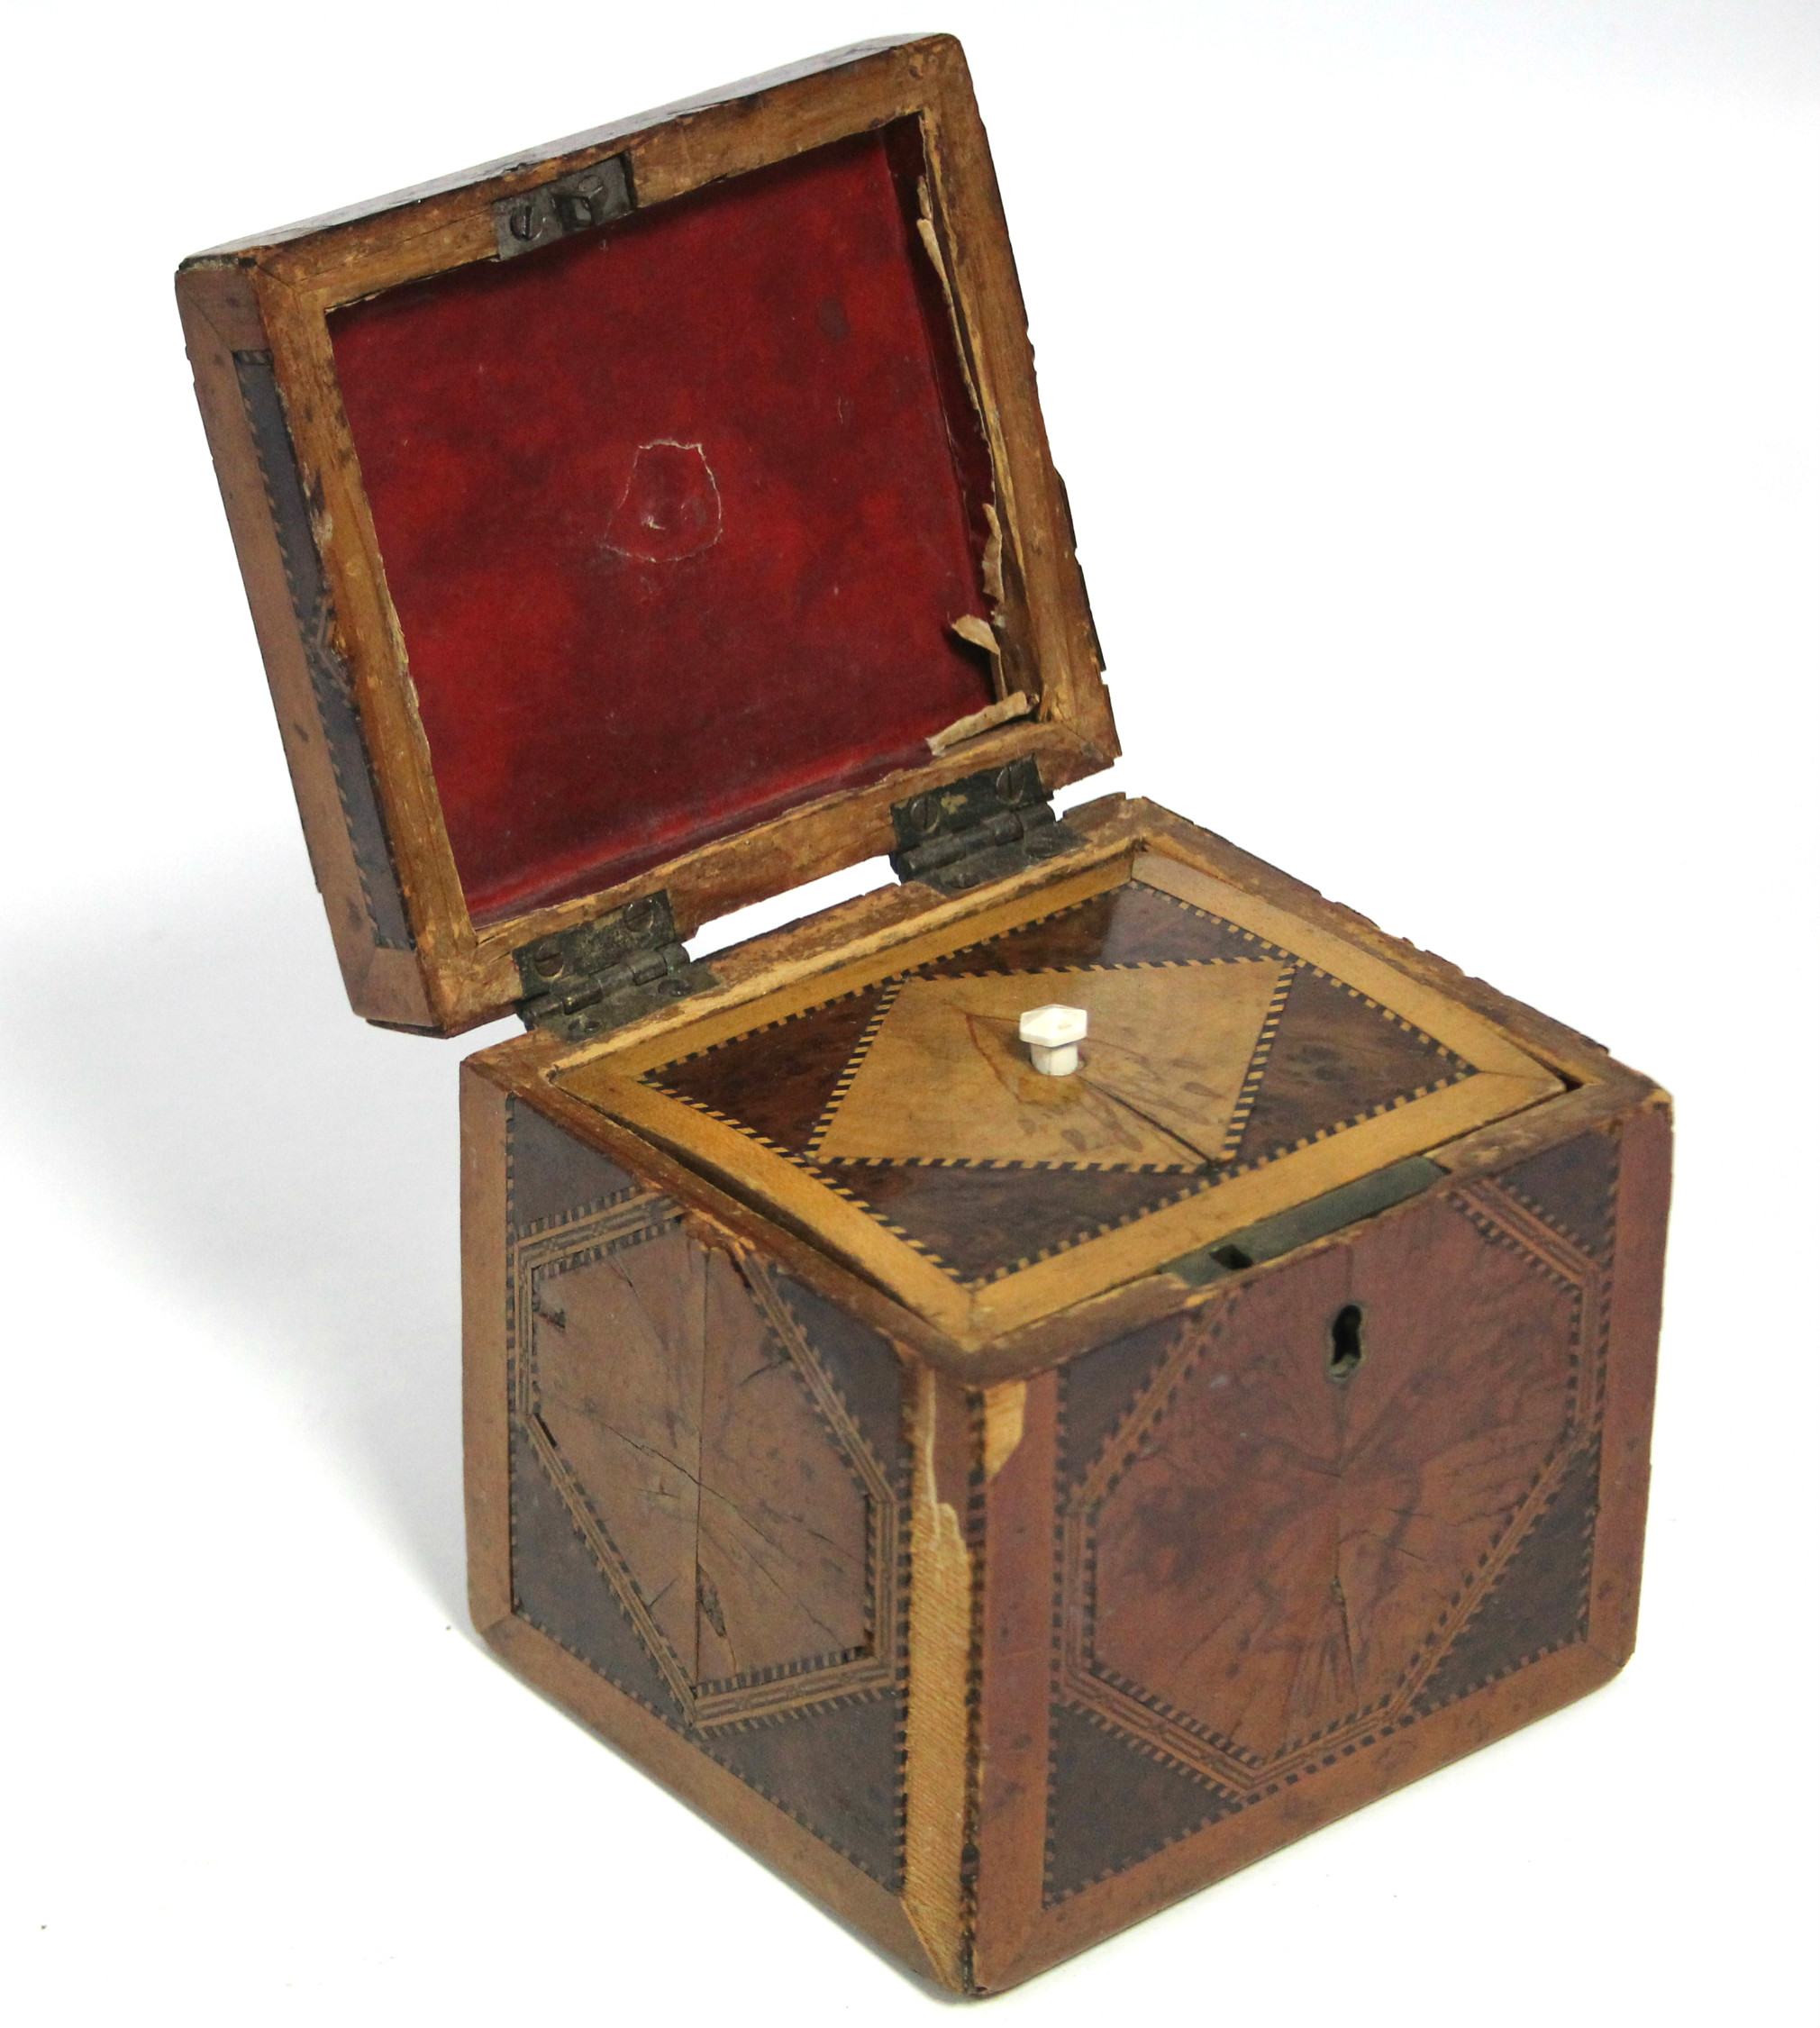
<point>1006,1504</point>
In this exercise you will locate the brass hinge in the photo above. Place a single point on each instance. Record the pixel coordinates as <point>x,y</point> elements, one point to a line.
<point>984,827</point>
<point>603,974</point>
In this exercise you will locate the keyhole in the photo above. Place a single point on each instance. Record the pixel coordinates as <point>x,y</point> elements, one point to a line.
<point>1345,1347</point>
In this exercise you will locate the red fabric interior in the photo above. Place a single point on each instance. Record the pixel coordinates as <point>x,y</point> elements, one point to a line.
<point>676,517</point>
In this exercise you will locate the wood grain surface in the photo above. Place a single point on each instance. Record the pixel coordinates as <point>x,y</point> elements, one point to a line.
<point>844,1439</point>
<point>1280,1594</point>
<point>945,1078</point>
<point>331,775</point>
<point>1263,1548</point>
<point>1077,1757</point>
<point>1227,1074</point>
<point>797,970</point>
<point>685,1431</point>
<point>709,1485</point>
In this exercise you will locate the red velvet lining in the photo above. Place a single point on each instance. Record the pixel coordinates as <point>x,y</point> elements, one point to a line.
<point>676,518</point>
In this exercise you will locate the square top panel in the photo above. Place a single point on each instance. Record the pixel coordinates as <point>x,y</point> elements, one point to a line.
<point>678,502</point>
<point>1239,1063</point>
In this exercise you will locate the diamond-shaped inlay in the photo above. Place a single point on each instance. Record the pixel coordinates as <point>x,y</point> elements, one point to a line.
<point>1211,1050</point>
<point>947,1078</point>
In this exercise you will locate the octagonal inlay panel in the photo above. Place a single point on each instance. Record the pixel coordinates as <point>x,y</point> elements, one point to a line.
<point>710,1463</point>
<point>1263,1553</point>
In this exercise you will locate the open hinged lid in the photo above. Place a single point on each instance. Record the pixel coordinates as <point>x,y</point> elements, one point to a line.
<point>646,517</point>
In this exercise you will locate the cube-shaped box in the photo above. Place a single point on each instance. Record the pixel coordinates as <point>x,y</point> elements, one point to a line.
<point>1031,1579</point>
<point>1022,1392</point>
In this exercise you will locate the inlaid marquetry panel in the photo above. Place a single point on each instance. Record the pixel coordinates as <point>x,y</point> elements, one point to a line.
<point>1212,1051</point>
<point>1273,1545</point>
<point>684,1428</point>
<point>706,1454</point>
<point>946,1079</point>
<point>1268,1559</point>
<point>708,1492</point>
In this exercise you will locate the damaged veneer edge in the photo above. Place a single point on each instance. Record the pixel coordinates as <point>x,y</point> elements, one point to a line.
<point>1019,705</point>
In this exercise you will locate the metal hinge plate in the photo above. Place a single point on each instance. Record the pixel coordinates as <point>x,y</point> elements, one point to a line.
<point>603,974</point>
<point>572,204</point>
<point>985,827</point>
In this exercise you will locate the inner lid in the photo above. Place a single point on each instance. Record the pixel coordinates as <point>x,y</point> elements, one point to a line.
<point>1245,1073</point>
<point>676,517</point>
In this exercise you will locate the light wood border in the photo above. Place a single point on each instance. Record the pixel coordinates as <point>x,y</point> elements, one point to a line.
<point>608,1075</point>
<point>1115,828</point>
<point>937,1727</point>
<point>297,277</point>
<point>486,1396</point>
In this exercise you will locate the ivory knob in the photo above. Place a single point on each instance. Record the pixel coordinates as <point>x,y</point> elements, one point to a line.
<point>1054,1034</point>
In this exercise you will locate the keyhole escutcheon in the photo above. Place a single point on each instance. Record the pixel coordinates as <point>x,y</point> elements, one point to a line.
<point>1346,1343</point>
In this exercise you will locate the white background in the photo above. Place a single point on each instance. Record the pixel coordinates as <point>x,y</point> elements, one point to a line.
<point>1439,390</point>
